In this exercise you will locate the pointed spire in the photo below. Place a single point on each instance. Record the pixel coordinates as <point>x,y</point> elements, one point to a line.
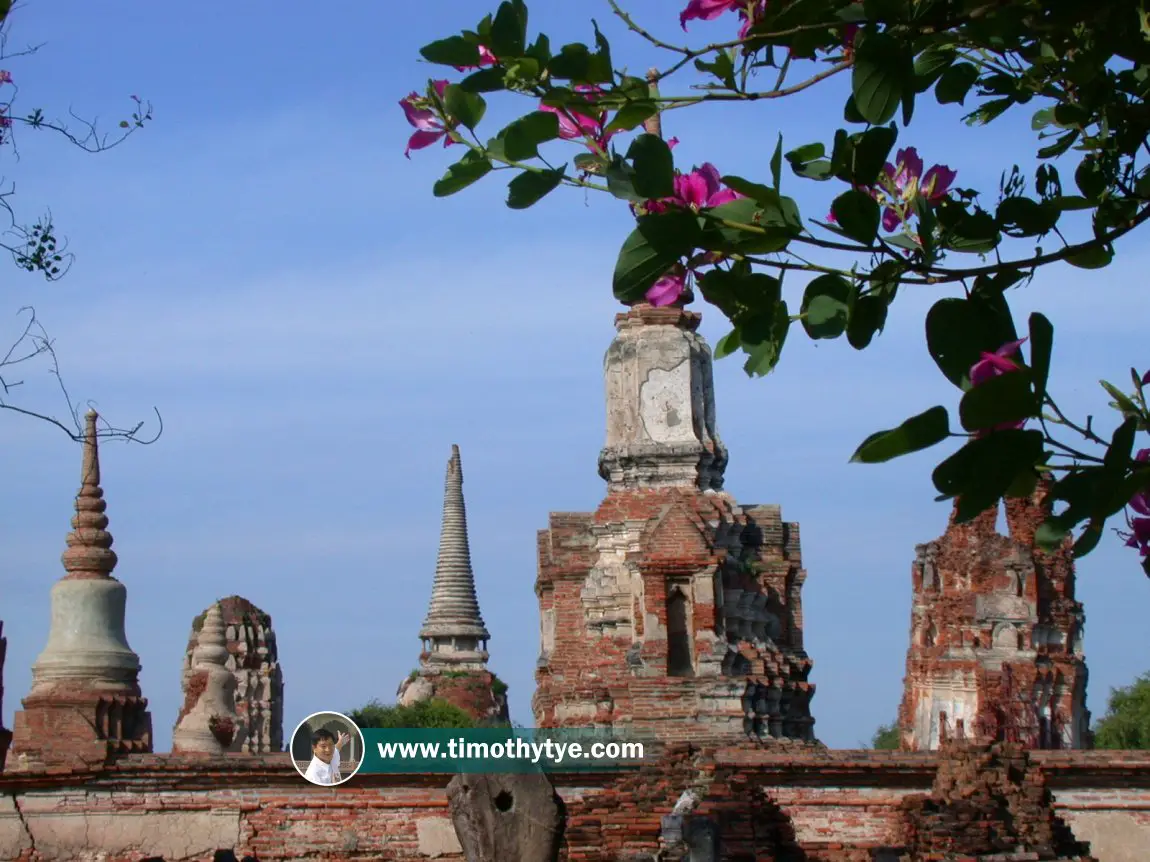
<point>454,625</point>
<point>90,553</point>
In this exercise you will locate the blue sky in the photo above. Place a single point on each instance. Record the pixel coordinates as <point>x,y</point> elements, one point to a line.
<point>264,266</point>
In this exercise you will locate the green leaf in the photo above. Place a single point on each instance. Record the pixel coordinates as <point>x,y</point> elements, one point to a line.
<point>776,209</point>
<point>871,153</point>
<point>857,213</point>
<point>777,163</point>
<point>509,29</point>
<point>463,173</point>
<point>467,108</point>
<point>867,317</point>
<point>531,186</point>
<point>880,73</point>
<point>1029,217</point>
<point>768,230</point>
<point>1095,257</point>
<point>955,83</point>
<point>1041,345</point>
<point>915,434</point>
<point>656,244</point>
<point>982,471</point>
<point>930,64</point>
<point>959,331</point>
<point>1121,400</point>
<point>824,307</point>
<point>521,139</point>
<point>453,51</point>
<point>489,80</point>
<point>1002,399</point>
<point>765,354</point>
<point>631,115</point>
<point>654,167</point>
<point>728,344</point>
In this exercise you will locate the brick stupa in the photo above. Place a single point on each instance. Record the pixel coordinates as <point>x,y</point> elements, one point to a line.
<point>253,658</point>
<point>671,608</point>
<point>85,707</point>
<point>996,637</point>
<point>453,661</point>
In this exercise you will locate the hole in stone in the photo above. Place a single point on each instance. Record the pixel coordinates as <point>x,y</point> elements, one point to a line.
<point>503,801</point>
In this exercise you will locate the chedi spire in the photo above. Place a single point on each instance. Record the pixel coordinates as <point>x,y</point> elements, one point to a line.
<point>453,632</point>
<point>85,684</point>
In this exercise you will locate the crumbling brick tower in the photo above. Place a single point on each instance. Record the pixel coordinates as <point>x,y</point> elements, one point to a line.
<point>85,707</point>
<point>670,609</point>
<point>253,658</point>
<point>453,662</point>
<point>996,637</point>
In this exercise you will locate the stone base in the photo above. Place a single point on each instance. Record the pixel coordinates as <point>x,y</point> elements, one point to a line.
<point>79,730</point>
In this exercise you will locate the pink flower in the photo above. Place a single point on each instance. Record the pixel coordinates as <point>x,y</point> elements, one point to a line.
<point>750,11</point>
<point>996,364</point>
<point>1140,502</point>
<point>486,58</point>
<point>428,126</point>
<point>708,10</point>
<point>5,76</point>
<point>701,189</point>
<point>669,288</point>
<point>1146,379</point>
<point>1140,536</point>
<point>574,124</point>
<point>903,182</point>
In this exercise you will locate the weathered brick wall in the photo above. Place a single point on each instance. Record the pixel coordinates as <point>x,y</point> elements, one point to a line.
<point>839,806</point>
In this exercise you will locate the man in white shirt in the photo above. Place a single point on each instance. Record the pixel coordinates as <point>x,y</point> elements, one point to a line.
<point>324,766</point>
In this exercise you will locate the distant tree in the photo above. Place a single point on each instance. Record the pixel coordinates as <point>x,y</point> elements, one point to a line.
<point>886,738</point>
<point>36,247</point>
<point>428,713</point>
<point>1126,724</point>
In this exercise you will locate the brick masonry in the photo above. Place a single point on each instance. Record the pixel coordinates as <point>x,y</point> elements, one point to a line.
<point>670,608</point>
<point>996,641</point>
<point>841,806</point>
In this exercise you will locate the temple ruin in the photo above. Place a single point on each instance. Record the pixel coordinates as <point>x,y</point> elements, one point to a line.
<point>85,704</point>
<point>453,661</point>
<point>670,609</point>
<point>996,637</point>
<point>253,658</point>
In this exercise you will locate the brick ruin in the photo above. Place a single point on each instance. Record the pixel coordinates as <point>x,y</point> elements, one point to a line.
<point>988,801</point>
<point>85,704</point>
<point>670,609</point>
<point>995,648</point>
<point>453,661</point>
<point>253,658</point>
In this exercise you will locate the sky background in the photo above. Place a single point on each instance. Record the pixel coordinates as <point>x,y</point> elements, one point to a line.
<point>264,266</point>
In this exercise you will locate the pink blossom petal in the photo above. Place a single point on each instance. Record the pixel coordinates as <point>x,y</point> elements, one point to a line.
<point>691,189</point>
<point>1146,379</point>
<point>1010,348</point>
<point>909,167</point>
<point>1140,503</point>
<point>422,139</point>
<point>937,182</point>
<point>672,143</point>
<point>706,10</point>
<point>890,219</point>
<point>722,196</point>
<point>667,289</point>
